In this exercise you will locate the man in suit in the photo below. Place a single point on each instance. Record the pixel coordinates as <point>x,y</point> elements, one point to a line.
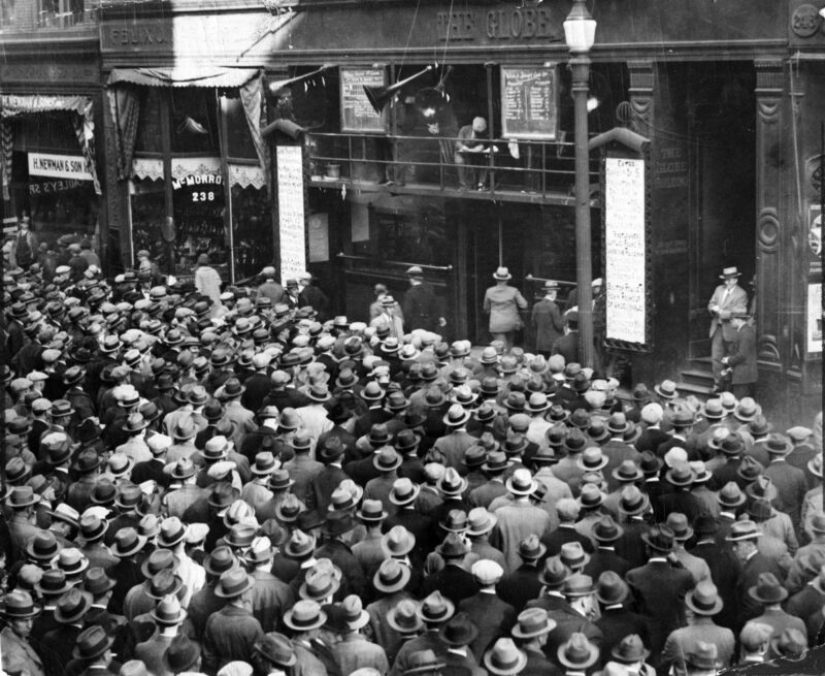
<point>25,244</point>
<point>421,307</point>
<point>617,620</point>
<point>546,319</point>
<point>492,616</point>
<point>727,299</point>
<point>659,589</point>
<point>574,616</point>
<point>743,537</point>
<point>742,358</point>
<point>704,603</point>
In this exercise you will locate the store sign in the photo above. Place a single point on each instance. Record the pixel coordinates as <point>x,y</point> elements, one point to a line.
<point>498,25</point>
<point>59,166</point>
<point>197,179</point>
<point>60,185</point>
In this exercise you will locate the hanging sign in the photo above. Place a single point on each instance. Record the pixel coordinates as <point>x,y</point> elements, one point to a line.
<point>357,113</point>
<point>59,166</point>
<point>292,234</point>
<point>529,102</point>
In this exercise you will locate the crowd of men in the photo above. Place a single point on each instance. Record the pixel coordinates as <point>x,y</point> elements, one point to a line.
<point>251,490</point>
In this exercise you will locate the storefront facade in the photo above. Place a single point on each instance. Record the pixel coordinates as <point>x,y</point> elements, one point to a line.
<point>732,167</point>
<point>50,124</point>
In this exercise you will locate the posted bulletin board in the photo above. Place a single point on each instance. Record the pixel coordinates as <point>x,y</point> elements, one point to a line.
<point>626,254</point>
<point>357,113</point>
<point>291,232</point>
<point>529,102</point>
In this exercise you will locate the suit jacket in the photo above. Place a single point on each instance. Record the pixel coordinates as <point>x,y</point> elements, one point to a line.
<point>749,608</point>
<point>659,591</point>
<point>271,598</point>
<point>791,486</point>
<point>616,622</point>
<point>568,347</point>
<point>736,301</point>
<point>230,635</point>
<point>547,323</point>
<point>354,652</point>
<point>569,622</point>
<point>685,640</point>
<point>19,656</point>
<point>516,521</point>
<point>493,617</point>
<point>421,308</point>
<point>453,582</point>
<point>322,486</point>
<point>520,587</point>
<point>539,665</point>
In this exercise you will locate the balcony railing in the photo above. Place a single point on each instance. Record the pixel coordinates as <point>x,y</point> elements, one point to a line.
<point>525,171</point>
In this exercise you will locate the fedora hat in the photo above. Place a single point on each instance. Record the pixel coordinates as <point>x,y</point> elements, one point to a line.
<point>778,444</point>
<point>611,589</point>
<point>300,545</point>
<point>331,450</point>
<point>577,652</point>
<point>233,583</point>
<point>504,658</point>
<point>168,611</point>
<point>452,547</point>
<point>659,538</point>
<point>731,496</point>
<point>704,656</point>
<point>480,521</point>
<point>53,584</point>
<point>353,612</point>
<point>172,531</point>
<point>97,582</point>
<point>591,496</point>
<point>422,661</point>
<point>265,463</point>
<point>43,547</point>
<point>573,556</point>
<point>502,274</point>
<point>371,511</point>
<point>704,599</point>
<point>386,459</point>
<point>456,416</point>
<point>746,410</point>
<point>578,584</point>
<point>768,590</point>
<point>607,530</point>
<point>454,521</point>
<point>532,622</point>
<point>629,650</point>
<point>435,608</point>
<point>530,548</point>
<point>731,271</point>
<point>72,561</point>
<point>680,474</point>
<point>181,655</point>
<point>157,561</point>
<point>92,642</point>
<point>19,605</point>
<point>92,527</point>
<point>128,542</point>
<point>744,529</point>
<point>220,560</point>
<point>404,617</point>
<point>403,492</point>
<point>750,469</point>
<point>452,484</point>
<point>666,389</point>
<point>592,459</point>
<point>391,576</point>
<point>521,482</point>
<point>320,584</point>
<point>791,644</point>
<point>73,605</point>
<point>554,573</point>
<point>678,523</point>
<point>304,616</point>
<point>277,649</point>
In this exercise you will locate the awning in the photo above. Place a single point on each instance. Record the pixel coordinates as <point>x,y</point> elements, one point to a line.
<point>13,105</point>
<point>189,76</point>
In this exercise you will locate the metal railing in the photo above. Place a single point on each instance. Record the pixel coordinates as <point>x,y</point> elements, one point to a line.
<point>540,168</point>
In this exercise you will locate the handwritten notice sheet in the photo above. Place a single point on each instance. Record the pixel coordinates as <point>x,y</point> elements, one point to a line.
<point>291,211</point>
<point>529,102</point>
<point>625,249</point>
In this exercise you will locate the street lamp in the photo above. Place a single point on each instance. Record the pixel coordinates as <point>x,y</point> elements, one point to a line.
<point>580,34</point>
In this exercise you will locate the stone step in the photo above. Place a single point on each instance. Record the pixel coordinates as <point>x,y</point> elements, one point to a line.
<point>697,377</point>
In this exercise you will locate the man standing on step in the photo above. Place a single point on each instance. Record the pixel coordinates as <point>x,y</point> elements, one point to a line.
<point>727,299</point>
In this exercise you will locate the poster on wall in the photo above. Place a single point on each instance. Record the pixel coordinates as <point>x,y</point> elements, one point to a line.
<point>625,250</point>
<point>357,113</point>
<point>814,307</point>
<point>292,235</point>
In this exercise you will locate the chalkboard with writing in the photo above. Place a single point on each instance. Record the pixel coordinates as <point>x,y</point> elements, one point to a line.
<point>292,234</point>
<point>529,102</point>
<point>625,250</point>
<point>357,113</point>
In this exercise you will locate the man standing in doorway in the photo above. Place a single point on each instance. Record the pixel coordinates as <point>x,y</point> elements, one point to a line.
<point>421,307</point>
<point>741,360</point>
<point>547,320</point>
<point>25,244</point>
<point>727,299</point>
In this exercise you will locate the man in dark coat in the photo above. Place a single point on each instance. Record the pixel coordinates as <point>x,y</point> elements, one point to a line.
<point>421,307</point>
<point>492,616</point>
<point>659,589</point>
<point>616,620</point>
<point>546,320</point>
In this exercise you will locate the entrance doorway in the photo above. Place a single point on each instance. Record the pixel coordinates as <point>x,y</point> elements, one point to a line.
<point>722,129</point>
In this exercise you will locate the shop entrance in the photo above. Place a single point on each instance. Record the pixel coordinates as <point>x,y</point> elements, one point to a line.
<point>723,216</point>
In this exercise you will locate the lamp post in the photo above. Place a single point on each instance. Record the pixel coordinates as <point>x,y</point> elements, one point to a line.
<point>579,34</point>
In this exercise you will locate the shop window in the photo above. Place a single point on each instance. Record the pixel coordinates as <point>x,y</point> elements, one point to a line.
<point>194,121</point>
<point>421,238</point>
<point>198,208</point>
<point>60,13</point>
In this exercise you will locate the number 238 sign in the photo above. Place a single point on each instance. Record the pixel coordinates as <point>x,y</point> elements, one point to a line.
<point>203,196</point>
